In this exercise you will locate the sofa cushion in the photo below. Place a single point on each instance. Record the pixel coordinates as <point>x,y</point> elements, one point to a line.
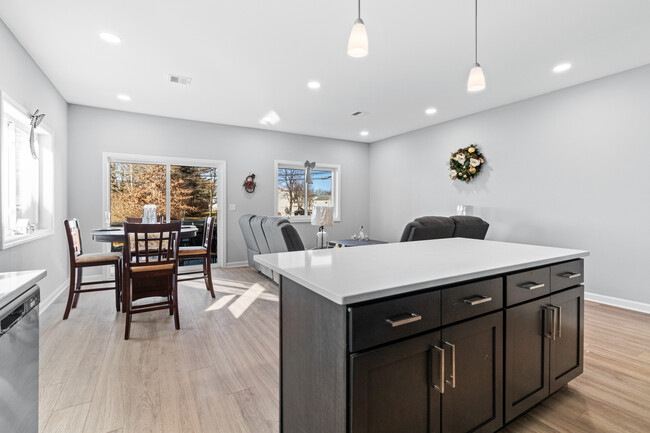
<point>469,227</point>
<point>428,227</point>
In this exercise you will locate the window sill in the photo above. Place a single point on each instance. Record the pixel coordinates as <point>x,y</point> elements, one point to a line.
<point>14,241</point>
<point>305,219</point>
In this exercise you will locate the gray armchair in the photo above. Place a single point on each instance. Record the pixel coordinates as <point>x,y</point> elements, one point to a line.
<point>264,235</point>
<point>437,227</point>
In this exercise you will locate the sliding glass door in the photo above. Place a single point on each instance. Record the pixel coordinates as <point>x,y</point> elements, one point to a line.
<point>182,190</point>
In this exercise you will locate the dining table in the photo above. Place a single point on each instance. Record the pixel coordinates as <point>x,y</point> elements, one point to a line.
<point>116,235</point>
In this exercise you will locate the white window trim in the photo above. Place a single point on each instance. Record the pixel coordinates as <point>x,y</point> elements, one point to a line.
<point>336,188</point>
<point>220,165</point>
<point>46,199</point>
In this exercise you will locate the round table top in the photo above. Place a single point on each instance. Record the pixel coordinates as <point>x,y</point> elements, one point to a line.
<point>117,234</point>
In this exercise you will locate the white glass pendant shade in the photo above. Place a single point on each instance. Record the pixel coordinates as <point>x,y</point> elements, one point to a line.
<point>358,43</point>
<point>476,81</point>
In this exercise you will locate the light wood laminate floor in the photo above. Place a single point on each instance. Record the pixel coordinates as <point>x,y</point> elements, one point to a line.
<point>219,373</point>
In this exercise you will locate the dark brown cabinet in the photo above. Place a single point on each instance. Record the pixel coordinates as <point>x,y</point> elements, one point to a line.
<point>472,399</point>
<point>449,381</point>
<point>544,348</point>
<point>394,388</point>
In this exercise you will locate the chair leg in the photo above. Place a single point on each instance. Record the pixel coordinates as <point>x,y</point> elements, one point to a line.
<point>125,285</point>
<point>207,271</point>
<point>80,273</point>
<point>126,301</point>
<point>73,285</point>
<point>117,286</point>
<point>171,305</point>
<point>177,322</point>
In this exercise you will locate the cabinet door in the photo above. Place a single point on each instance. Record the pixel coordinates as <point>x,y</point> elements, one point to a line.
<point>527,356</point>
<point>473,395</point>
<point>393,388</point>
<point>567,346</point>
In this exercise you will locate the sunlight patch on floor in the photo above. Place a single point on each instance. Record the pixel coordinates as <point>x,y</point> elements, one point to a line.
<point>220,303</point>
<point>242,303</point>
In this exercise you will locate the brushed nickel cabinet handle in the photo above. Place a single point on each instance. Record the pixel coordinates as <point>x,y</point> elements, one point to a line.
<point>559,322</point>
<point>453,364</point>
<point>532,285</point>
<point>441,387</point>
<point>403,319</point>
<point>571,275</point>
<point>476,300</point>
<point>549,334</point>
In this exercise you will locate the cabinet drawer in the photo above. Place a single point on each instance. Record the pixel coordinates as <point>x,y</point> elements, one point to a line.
<point>381,322</point>
<point>527,285</point>
<point>469,300</point>
<point>567,275</point>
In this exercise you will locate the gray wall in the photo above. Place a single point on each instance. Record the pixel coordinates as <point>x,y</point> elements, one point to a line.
<point>22,80</point>
<point>567,169</point>
<point>94,130</point>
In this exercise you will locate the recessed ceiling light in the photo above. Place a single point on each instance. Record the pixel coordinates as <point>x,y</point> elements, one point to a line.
<point>313,85</point>
<point>364,133</point>
<point>562,67</point>
<point>123,97</point>
<point>430,111</point>
<point>110,38</point>
<point>270,118</point>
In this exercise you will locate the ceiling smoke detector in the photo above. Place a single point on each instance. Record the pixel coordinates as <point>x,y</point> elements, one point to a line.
<point>177,79</point>
<point>358,114</point>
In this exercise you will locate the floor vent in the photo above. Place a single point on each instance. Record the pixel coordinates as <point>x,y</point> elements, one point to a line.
<point>186,81</point>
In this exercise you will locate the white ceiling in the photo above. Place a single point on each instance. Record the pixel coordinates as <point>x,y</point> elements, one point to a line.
<point>247,57</point>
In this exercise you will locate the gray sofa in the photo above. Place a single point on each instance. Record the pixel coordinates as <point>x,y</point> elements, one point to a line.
<point>264,235</point>
<point>437,227</point>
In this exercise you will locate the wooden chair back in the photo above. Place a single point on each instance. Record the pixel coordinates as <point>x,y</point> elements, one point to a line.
<point>151,244</point>
<point>73,233</point>
<point>208,231</point>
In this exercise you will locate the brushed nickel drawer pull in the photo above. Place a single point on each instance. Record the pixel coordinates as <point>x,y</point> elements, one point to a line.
<point>476,300</point>
<point>532,285</point>
<point>403,319</point>
<point>571,275</point>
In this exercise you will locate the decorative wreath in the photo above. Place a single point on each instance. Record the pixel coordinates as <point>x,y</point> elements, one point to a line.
<point>249,183</point>
<point>465,164</point>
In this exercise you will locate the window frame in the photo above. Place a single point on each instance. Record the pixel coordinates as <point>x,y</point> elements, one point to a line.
<point>46,139</point>
<point>220,165</point>
<point>336,187</point>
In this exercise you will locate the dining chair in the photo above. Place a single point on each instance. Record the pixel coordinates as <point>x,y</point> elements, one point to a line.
<point>151,266</point>
<point>138,220</point>
<point>203,253</point>
<point>79,261</point>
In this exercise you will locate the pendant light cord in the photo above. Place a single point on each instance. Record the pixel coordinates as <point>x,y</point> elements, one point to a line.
<point>475,30</point>
<point>359,6</point>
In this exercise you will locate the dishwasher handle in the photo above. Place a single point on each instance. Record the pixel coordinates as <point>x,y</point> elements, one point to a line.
<point>18,308</point>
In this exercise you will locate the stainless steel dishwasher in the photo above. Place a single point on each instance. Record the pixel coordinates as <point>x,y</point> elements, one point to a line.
<point>19,363</point>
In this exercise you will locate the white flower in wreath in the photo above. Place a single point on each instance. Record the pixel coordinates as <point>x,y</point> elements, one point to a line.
<point>474,162</point>
<point>453,173</point>
<point>460,158</point>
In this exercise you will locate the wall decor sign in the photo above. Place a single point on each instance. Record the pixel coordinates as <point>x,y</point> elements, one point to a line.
<point>249,184</point>
<point>466,163</point>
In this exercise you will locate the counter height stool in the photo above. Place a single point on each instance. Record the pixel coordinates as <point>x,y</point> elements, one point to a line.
<point>79,261</point>
<point>151,269</point>
<point>201,252</point>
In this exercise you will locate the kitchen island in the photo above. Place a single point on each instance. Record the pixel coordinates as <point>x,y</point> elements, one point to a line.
<point>450,335</point>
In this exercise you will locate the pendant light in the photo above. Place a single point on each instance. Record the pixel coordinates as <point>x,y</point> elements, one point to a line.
<point>476,81</point>
<point>358,43</point>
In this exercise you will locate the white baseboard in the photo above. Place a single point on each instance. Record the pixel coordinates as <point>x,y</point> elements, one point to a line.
<point>47,302</point>
<point>237,264</point>
<point>618,302</point>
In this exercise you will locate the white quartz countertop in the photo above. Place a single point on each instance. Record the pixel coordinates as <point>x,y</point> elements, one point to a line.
<point>14,284</point>
<point>350,275</point>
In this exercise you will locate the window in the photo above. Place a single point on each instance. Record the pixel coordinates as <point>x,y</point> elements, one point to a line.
<point>26,180</point>
<point>182,189</point>
<point>295,198</point>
